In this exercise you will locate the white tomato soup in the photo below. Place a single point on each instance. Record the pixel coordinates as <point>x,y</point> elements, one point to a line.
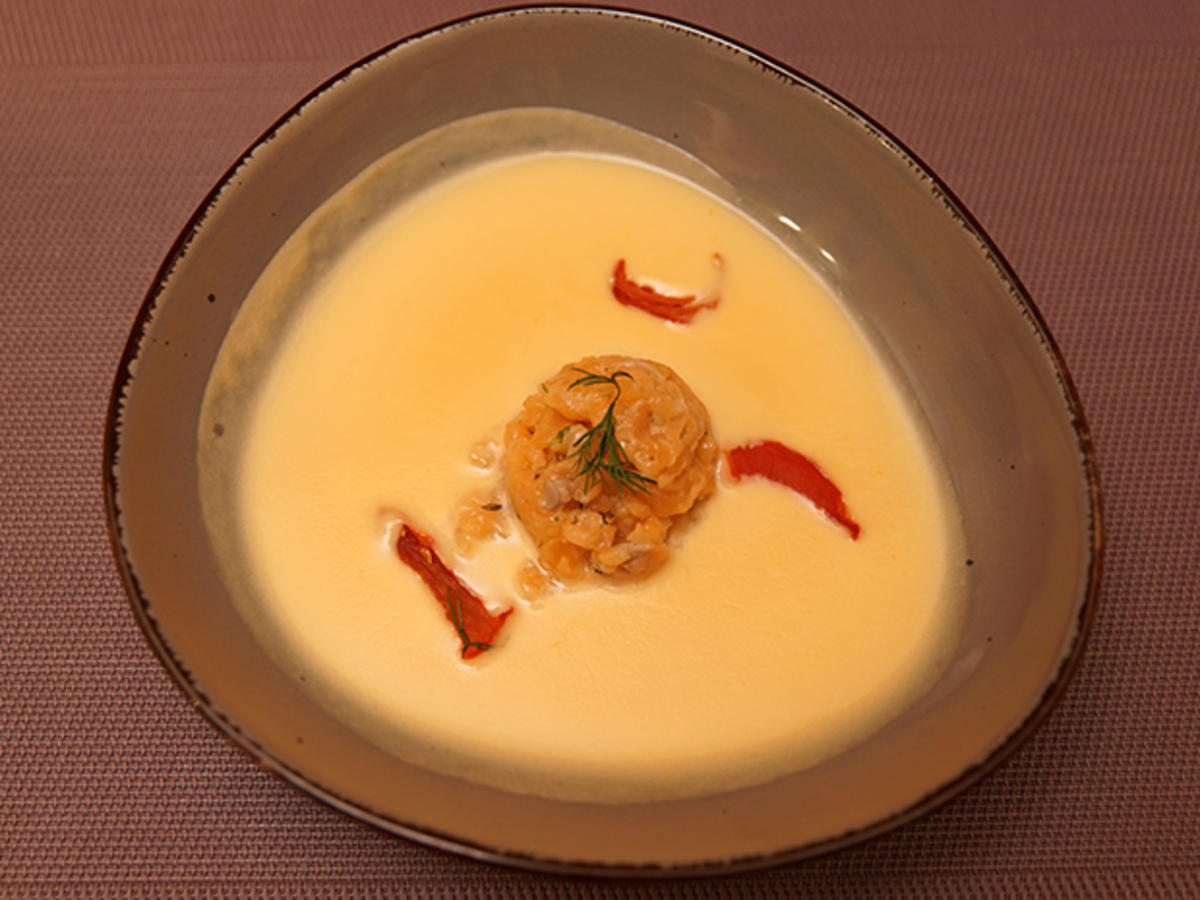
<point>769,641</point>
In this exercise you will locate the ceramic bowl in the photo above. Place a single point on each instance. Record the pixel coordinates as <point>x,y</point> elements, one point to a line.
<point>915,270</point>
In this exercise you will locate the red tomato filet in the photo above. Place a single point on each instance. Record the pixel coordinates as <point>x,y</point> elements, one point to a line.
<point>783,465</point>
<point>666,306</point>
<point>476,626</point>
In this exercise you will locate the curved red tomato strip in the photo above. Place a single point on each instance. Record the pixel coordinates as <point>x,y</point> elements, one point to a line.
<point>477,628</point>
<point>666,306</point>
<point>783,465</point>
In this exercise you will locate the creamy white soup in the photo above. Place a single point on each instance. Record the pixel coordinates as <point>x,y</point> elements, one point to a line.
<point>768,641</point>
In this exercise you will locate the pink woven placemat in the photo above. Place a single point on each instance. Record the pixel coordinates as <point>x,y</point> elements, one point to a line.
<point>1071,130</point>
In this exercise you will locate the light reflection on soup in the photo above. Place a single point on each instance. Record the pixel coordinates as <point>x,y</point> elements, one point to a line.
<point>768,641</point>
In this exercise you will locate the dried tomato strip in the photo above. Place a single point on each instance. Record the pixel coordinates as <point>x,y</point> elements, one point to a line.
<point>477,628</point>
<point>783,465</point>
<point>666,306</point>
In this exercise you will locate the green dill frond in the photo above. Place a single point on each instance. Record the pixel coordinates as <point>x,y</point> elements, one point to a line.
<point>599,456</point>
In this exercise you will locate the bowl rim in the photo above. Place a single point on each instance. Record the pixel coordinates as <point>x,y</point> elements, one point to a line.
<point>179,673</point>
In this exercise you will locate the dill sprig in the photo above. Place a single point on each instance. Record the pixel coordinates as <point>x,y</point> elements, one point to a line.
<point>456,618</point>
<point>599,456</point>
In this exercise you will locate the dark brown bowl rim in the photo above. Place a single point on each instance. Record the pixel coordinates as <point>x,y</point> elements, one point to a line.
<point>179,672</point>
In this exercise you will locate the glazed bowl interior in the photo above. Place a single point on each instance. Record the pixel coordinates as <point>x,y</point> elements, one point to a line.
<point>913,270</point>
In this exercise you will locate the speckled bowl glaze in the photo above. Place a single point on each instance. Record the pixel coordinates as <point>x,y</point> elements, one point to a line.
<point>915,270</point>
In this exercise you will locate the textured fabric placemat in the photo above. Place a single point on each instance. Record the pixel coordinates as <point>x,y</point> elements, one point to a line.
<point>1071,130</point>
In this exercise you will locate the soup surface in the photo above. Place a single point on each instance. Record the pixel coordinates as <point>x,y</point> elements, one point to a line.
<point>768,641</point>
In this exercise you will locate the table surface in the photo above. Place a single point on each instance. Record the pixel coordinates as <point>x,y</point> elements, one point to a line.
<point>1071,130</point>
